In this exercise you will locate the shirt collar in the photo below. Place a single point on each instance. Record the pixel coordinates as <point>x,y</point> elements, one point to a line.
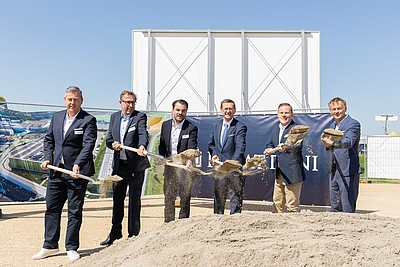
<point>68,118</point>
<point>282,128</point>
<point>125,117</point>
<point>179,126</point>
<point>229,122</point>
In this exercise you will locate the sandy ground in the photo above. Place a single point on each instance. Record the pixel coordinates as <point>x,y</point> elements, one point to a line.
<point>257,237</point>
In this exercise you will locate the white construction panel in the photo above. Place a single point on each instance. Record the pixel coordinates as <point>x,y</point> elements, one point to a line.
<point>274,77</point>
<point>383,157</point>
<point>256,69</point>
<point>227,72</point>
<point>139,66</point>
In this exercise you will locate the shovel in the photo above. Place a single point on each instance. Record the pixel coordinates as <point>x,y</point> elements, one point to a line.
<point>164,159</point>
<point>296,135</point>
<point>228,166</point>
<point>144,152</point>
<point>108,179</point>
<point>255,165</point>
<point>331,135</point>
<point>187,154</point>
<point>183,166</point>
<point>71,173</point>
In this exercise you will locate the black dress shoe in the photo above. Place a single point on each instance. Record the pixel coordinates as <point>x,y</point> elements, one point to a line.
<point>110,239</point>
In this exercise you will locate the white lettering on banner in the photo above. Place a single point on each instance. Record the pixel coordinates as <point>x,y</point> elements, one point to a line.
<point>271,159</point>
<point>314,163</point>
<point>305,164</point>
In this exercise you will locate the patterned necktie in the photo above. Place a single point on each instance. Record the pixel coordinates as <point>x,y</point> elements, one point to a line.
<point>225,129</point>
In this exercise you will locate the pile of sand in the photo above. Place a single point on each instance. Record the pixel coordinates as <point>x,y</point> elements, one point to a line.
<point>261,239</point>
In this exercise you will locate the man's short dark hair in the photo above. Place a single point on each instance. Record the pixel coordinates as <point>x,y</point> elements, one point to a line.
<point>337,99</point>
<point>180,101</point>
<point>286,105</point>
<point>228,101</point>
<point>127,92</point>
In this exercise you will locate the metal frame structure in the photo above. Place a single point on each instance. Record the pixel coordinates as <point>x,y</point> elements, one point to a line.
<point>205,46</point>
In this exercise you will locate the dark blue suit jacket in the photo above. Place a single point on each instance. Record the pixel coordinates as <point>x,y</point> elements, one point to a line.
<point>345,152</point>
<point>234,145</point>
<point>291,161</point>
<point>77,146</point>
<point>136,135</point>
<point>187,138</point>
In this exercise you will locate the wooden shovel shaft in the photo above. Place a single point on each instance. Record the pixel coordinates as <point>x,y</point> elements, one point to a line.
<point>71,173</point>
<point>144,152</point>
<point>183,167</point>
<point>276,148</point>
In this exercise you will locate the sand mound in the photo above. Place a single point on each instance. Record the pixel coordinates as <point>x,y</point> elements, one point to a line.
<point>261,239</point>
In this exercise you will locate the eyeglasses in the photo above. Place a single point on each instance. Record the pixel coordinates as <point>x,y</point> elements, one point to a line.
<point>129,102</point>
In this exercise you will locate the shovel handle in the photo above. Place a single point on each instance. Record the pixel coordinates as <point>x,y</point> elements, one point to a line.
<point>144,152</point>
<point>183,167</point>
<point>277,148</point>
<point>70,173</point>
<point>218,162</point>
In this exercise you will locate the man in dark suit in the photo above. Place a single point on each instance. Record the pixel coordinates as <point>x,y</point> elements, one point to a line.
<point>289,171</point>
<point>228,141</point>
<point>127,127</point>
<point>177,135</point>
<point>345,171</point>
<point>69,143</point>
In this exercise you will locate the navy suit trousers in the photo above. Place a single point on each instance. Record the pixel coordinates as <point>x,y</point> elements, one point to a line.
<point>232,184</point>
<point>59,189</point>
<point>344,192</point>
<point>177,181</point>
<point>135,183</point>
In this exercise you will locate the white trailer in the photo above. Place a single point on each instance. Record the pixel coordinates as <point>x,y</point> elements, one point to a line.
<point>256,69</point>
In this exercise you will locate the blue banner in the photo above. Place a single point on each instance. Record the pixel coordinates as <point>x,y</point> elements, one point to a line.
<point>315,189</point>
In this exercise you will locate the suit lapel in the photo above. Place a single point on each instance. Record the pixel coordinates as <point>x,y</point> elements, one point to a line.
<point>168,128</point>
<point>218,133</point>
<point>342,124</point>
<point>184,126</point>
<point>131,119</point>
<point>285,132</point>
<point>59,124</point>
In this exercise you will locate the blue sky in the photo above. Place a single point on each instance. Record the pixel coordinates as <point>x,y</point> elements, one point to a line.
<point>46,46</point>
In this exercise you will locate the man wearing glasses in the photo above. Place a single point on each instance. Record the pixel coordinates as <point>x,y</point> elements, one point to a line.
<point>127,127</point>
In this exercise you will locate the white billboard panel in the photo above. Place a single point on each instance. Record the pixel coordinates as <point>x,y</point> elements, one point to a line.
<point>383,157</point>
<point>256,69</point>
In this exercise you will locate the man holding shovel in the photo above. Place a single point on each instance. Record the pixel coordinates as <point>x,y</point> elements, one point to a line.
<point>228,142</point>
<point>345,171</point>
<point>128,127</point>
<point>178,135</point>
<point>289,171</point>
<point>68,144</point>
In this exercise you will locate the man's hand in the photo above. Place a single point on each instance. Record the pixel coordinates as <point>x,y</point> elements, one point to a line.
<point>328,145</point>
<point>189,165</point>
<point>268,151</point>
<point>76,169</point>
<point>44,164</point>
<point>213,159</point>
<point>142,151</point>
<point>281,148</point>
<point>116,146</point>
